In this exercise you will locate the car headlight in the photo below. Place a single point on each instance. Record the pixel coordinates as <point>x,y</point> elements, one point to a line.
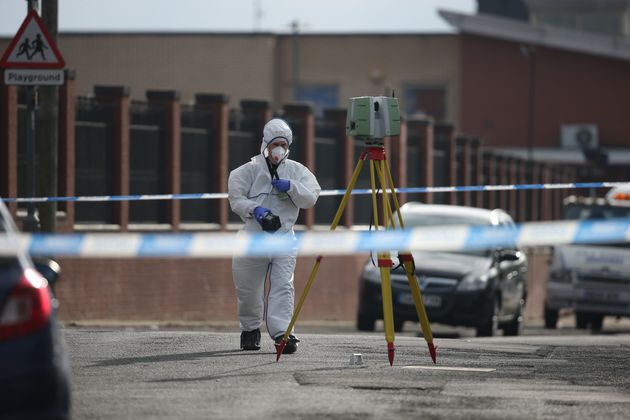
<point>472,283</point>
<point>372,274</point>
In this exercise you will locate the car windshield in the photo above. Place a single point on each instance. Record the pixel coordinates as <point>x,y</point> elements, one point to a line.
<point>597,212</point>
<point>437,219</point>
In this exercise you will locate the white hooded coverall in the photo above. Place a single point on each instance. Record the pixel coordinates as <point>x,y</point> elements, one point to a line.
<point>249,186</point>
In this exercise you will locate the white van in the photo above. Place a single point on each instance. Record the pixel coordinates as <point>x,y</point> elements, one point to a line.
<point>592,280</point>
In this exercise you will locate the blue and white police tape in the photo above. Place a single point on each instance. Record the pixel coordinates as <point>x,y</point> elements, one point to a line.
<point>214,245</point>
<point>324,193</point>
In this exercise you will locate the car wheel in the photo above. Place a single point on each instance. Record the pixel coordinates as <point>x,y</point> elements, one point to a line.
<point>398,324</point>
<point>515,327</point>
<point>581,320</point>
<point>366,322</point>
<point>490,325</point>
<point>551,317</point>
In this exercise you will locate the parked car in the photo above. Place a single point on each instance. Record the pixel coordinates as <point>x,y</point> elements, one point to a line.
<point>592,280</point>
<point>484,289</point>
<point>34,365</point>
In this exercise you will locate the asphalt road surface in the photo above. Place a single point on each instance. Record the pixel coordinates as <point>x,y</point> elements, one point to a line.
<point>127,373</point>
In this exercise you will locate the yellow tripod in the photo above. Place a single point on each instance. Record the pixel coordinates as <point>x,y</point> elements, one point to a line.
<point>378,168</point>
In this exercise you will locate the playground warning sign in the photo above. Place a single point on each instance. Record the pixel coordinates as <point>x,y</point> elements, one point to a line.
<point>32,47</point>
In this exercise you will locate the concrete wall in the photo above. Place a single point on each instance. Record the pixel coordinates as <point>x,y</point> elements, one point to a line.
<point>239,65</point>
<point>260,66</point>
<point>372,65</point>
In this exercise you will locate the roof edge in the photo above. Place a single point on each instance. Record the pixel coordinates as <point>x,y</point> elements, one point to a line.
<point>544,35</point>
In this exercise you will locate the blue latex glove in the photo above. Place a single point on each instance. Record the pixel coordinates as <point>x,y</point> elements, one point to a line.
<point>259,213</point>
<point>281,185</point>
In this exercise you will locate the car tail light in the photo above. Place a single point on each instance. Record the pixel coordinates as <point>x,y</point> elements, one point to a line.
<point>27,307</point>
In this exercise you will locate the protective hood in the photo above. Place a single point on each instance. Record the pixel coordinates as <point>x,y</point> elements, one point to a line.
<point>273,130</point>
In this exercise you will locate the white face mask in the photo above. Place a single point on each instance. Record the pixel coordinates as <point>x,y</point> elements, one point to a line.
<point>277,154</point>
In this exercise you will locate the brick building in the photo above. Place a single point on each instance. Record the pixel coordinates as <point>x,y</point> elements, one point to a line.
<point>545,93</point>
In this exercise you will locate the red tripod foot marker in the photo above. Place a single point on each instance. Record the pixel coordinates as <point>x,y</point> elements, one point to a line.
<point>433,351</point>
<point>390,353</point>
<point>280,349</point>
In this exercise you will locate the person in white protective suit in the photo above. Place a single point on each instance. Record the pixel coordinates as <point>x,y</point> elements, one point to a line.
<point>267,193</point>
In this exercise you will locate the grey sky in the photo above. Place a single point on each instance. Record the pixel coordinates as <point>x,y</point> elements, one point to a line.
<point>240,15</point>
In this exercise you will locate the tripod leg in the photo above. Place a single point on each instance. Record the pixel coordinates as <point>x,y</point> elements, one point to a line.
<point>311,277</point>
<point>407,260</point>
<point>346,196</point>
<point>391,219</point>
<point>384,264</point>
<point>394,197</point>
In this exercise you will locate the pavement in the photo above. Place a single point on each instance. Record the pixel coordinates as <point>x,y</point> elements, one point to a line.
<point>533,326</point>
<point>136,372</point>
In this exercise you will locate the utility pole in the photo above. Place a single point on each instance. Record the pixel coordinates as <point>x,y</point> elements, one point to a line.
<point>47,134</point>
<point>30,223</point>
<point>258,13</point>
<point>295,29</point>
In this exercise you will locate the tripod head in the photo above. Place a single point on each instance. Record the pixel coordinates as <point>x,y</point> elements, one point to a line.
<point>372,118</point>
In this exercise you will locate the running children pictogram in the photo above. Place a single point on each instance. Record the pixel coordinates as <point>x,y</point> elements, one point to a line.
<point>32,47</point>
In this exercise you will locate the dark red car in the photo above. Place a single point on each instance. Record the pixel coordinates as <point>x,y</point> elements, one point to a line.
<point>34,366</point>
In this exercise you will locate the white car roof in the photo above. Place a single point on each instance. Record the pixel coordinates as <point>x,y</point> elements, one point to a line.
<point>414,210</point>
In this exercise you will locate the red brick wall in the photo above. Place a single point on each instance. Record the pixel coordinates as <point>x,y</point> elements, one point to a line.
<point>175,290</point>
<point>201,290</point>
<point>570,88</point>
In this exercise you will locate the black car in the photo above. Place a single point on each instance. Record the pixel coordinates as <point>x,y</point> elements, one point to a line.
<point>484,289</point>
<point>34,365</point>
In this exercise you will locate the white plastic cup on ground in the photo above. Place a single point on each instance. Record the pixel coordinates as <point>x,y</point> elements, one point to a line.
<point>356,359</point>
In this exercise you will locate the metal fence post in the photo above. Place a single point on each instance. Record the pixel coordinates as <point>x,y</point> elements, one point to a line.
<point>464,168</point>
<point>67,139</point>
<point>421,130</point>
<point>398,159</point>
<point>445,133</point>
<point>306,136</point>
<point>346,151</point>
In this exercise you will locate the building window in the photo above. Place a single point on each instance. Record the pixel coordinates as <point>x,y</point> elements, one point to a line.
<point>321,96</point>
<point>428,100</point>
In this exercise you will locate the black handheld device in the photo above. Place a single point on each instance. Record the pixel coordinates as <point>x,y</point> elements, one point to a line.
<point>270,222</point>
